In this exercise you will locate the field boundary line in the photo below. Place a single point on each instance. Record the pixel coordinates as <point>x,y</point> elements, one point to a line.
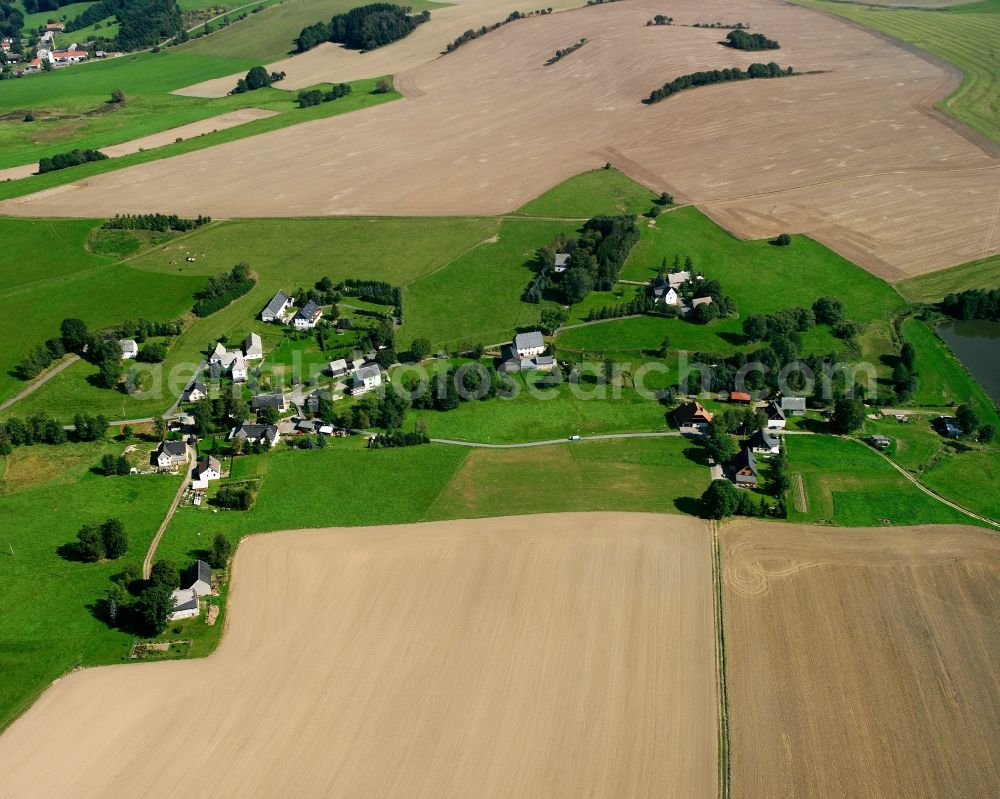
<point>725,772</point>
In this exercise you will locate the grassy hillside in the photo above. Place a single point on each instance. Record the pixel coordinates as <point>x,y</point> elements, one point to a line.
<point>56,630</point>
<point>600,191</point>
<point>966,35</point>
<point>982,274</point>
<point>849,484</point>
<point>268,35</point>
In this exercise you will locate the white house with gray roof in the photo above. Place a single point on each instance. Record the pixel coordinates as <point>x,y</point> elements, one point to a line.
<point>170,454</point>
<point>253,348</point>
<point>528,345</point>
<point>277,307</point>
<point>367,378</point>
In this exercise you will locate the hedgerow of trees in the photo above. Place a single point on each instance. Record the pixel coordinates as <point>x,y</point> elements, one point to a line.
<point>223,289</point>
<point>363,28</point>
<point>560,54</point>
<point>470,34</point>
<point>72,158</point>
<point>660,19</point>
<point>313,97</point>
<point>161,223</point>
<point>741,40</point>
<point>695,79</point>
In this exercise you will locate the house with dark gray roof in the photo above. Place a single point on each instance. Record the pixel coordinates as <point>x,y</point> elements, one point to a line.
<point>775,416</point>
<point>744,469</point>
<point>208,468</point>
<point>307,317</point>
<point>764,442</point>
<point>277,401</point>
<point>170,454</point>
<point>275,309</point>
<point>691,417</point>
<point>252,433</point>
<point>196,391</point>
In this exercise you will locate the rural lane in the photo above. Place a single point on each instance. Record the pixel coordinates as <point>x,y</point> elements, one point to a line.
<point>147,562</point>
<point>930,493</point>
<point>567,440</point>
<point>40,382</point>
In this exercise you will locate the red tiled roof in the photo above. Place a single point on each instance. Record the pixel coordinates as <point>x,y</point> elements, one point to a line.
<point>739,396</point>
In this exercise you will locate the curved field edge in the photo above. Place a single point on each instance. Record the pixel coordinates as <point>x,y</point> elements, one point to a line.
<point>963,35</point>
<point>361,98</point>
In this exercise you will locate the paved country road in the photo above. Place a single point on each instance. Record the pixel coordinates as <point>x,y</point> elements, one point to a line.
<point>40,382</point>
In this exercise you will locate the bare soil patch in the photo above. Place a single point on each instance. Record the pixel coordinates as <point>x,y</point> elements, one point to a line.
<point>862,662</point>
<point>849,156</point>
<point>547,656</point>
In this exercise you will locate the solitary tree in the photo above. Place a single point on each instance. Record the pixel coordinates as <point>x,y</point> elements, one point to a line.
<point>114,538</point>
<point>720,499</point>
<point>848,415</point>
<point>117,96</point>
<point>219,554</point>
<point>828,310</point>
<point>968,419</point>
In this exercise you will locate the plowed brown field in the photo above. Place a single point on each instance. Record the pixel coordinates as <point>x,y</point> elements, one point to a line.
<point>851,155</point>
<point>862,663</point>
<point>548,656</point>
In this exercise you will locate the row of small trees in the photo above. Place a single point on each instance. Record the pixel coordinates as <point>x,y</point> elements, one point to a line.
<point>307,99</point>
<point>157,222</point>
<point>695,79</point>
<point>223,289</point>
<point>72,158</point>
<point>471,34</point>
<point>973,304</point>
<point>560,54</point>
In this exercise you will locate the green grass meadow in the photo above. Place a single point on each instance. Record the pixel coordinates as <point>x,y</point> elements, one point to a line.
<point>600,191</point>
<point>850,485</point>
<point>933,287</point>
<point>47,626</point>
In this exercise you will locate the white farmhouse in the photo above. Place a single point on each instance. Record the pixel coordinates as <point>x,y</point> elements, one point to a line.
<point>528,345</point>
<point>366,378</point>
<point>129,348</point>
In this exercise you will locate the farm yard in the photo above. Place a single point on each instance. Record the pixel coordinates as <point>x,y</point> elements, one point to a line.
<point>928,168</point>
<point>859,663</point>
<point>527,642</point>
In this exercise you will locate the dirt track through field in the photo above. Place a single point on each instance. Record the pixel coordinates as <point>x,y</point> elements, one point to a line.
<point>548,656</point>
<point>849,156</point>
<point>862,663</point>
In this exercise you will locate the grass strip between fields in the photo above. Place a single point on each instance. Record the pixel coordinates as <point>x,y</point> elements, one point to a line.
<point>362,97</point>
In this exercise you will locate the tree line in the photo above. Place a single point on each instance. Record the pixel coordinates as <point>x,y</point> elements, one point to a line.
<point>973,304</point>
<point>363,28</point>
<point>695,79</point>
<point>659,19</point>
<point>40,428</point>
<point>312,97</point>
<point>560,54</point>
<point>741,40</point>
<point>223,289</point>
<point>72,158</point>
<point>161,223</point>
<point>11,19</point>
<point>470,34</point>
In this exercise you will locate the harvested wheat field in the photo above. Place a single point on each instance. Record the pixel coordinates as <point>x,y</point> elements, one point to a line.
<point>862,663</point>
<point>488,127</point>
<point>425,44</point>
<point>548,656</point>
